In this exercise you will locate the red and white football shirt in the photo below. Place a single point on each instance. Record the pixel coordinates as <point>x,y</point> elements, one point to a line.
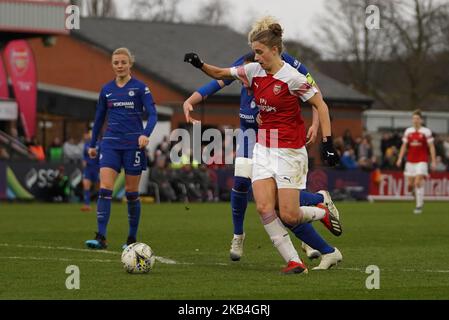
<point>417,144</point>
<point>277,98</point>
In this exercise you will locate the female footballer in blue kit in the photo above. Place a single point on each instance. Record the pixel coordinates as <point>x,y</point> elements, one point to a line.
<point>313,244</point>
<point>124,100</point>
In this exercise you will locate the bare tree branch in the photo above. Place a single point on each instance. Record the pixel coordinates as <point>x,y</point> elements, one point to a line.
<point>394,63</point>
<point>214,12</point>
<point>157,10</point>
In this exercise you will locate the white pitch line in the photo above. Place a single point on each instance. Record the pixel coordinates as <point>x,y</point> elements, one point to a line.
<point>164,260</point>
<point>349,269</point>
<point>428,270</point>
<point>56,259</point>
<point>57,248</point>
<point>437,271</point>
<point>392,270</point>
<point>160,259</point>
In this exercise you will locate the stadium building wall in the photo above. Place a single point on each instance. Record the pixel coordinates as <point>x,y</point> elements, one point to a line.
<point>78,71</point>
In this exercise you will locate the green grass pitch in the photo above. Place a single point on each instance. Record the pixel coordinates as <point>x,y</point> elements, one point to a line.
<point>38,242</point>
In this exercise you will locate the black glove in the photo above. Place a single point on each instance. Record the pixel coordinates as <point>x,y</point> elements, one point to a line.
<point>330,155</point>
<point>193,59</point>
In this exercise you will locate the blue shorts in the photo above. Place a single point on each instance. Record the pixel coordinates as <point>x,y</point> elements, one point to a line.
<point>246,140</point>
<point>134,161</point>
<point>91,174</point>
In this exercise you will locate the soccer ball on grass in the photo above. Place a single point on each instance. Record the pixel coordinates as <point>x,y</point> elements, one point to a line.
<point>138,258</point>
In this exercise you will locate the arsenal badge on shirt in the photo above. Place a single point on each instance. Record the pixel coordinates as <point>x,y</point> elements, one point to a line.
<point>277,88</point>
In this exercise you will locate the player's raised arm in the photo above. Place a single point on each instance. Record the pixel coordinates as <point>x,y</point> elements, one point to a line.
<point>210,70</point>
<point>187,106</point>
<point>226,76</point>
<point>214,86</point>
<point>200,95</point>
<point>209,89</point>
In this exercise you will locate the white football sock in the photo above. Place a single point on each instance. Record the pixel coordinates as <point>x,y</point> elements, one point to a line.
<point>310,214</point>
<point>419,194</point>
<point>281,240</point>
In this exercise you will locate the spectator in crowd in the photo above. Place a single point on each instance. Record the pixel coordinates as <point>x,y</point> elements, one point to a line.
<point>390,158</point>
<point>161,175</point>
<point>348,160</point>
<point>15,134</point>
<point>4,155</point>
<point>390,139</point>
<point>439,145</point>
<point>439,164</point>
<point>446,150</point>
<point>339,145</point>
<point>357,142</point>
<point>367,163</point>
<point>186,176</point>
<point>348,140</point>
<point>385,143</point>
<point>54,152</point>
<point>209,191</point>
<point>72,151</point>
<point>36,149</point>
<point>365,156</point>
<point>396,139</point>
<point>365,150</point>
<point>186,157</point>
<point>60,190</point>
<point>164,148</point>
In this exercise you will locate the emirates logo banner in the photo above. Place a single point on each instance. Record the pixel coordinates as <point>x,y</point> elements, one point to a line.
<point>21,67</point>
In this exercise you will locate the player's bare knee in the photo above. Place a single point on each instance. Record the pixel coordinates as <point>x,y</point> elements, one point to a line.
<point>264,207</point>
<point>107,186</point>
<point>289,216</point>
<point>418,183</point>
<point>131,189</point>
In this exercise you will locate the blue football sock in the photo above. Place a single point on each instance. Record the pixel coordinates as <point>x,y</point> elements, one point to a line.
<point>103,210</point>
<point>306,233</point>
<point>310,199</point>
<point>87,197</point>
<point>133,213</point>
<point>239,202</point>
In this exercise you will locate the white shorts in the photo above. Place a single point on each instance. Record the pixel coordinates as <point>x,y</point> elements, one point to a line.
<point>243,167</point>
<point>416,169</point>
<point>288,167</point>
